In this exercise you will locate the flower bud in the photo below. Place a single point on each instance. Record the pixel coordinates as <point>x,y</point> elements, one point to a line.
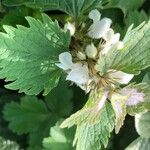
<point>71,27</point>
<point>91,51</point>
<point>81,55</point>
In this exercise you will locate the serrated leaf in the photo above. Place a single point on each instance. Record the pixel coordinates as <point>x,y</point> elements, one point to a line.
<point>142,124</point>
<point>139,144</point>
<point>73,7</point>
<point>133,110</point>
<point>28,55</point>
<point>126,5</point>
<point>8,145</point>
<point>59,139</point>
<point>59,100</point>
<point>26,116</point>
<point>92,134</point>
<point>134,56</point>
<point>88,114</point>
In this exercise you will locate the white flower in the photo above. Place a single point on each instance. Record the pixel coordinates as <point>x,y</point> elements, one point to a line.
<point>95,15</point>
<point>112,41</point>
<point>77,72</point>
<point>120,77</point>
<point>79,75</point>
<point>91,51</point>
<point>133,96</point>
<point>81,55</point>
<point>99,27</point>
<point>120,45</point>
<point>110,37</point>
<point>65,60</point>
<point>71,27</point>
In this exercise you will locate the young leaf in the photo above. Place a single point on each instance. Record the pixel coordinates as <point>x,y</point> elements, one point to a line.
<point>28,55</point>
<point>74,8</point>
<point>142,122</point>
<point>27,116</point>
<point>134,56</point>
<point>59,139</point>
<point>119,107</point>
<point>139,144</point>
<point>92,135</point>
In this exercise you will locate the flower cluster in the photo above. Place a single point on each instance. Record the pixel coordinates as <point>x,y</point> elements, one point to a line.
<point>80,65</point>
<point>83,72</point>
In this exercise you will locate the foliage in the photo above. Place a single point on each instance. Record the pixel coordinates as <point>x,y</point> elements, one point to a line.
<point>59,139</point>
<point>38,104</point>
<point>139,144</point>
<point>134,56</point>
<point>23,117</point>
<point>73,8</point>
<point>126,6</point>
<point>7,145</point>
<point>94,136</point>
<point>31,68</point>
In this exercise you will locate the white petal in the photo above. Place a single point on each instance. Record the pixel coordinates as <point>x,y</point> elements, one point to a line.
<point>99,29</point>
<point>71,27</point>
<point>119,45</point>
<point>65,61</point>
<point>109,35</point>
<point>121,77</point>
<point>61,66</point>
<point>91,51</point>
<point>134,97</point>
<point>115,38</point>
<point>79,75</point>
<point>94,15</point>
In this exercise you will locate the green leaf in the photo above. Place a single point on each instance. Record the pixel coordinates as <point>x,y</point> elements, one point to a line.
<point>133,110</point>
<point>135,55</point>
<point>91,136</point>
<point>26,116</point>
<point>139,144</point>
<point>119,107</point>
<point>59,139</point>
<point>59,100</point>
<point>142,124</point>
<point>74,8</point>
<point>16,16</point>
<point>147,77</point>
<point>8,145</point>
<point>136,18</point>
<point>28,55</point>
<point>126,6</point>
